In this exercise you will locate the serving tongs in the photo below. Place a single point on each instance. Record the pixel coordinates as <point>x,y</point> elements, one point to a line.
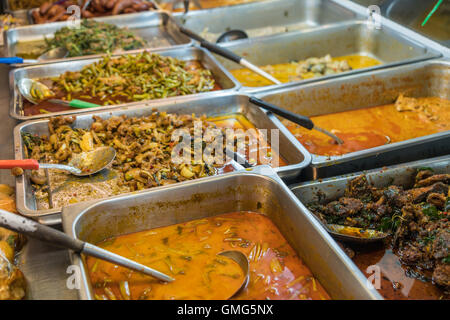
<point>303,121</point>
<point>38,231</point>
<point>228,54</point>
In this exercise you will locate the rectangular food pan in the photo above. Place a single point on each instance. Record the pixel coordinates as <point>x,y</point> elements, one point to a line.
<point>221,75</point>
<point>31,19</point>
<point>403,175</point>
<point>284,16</point>
<point>289,149</point>
<point>259,190</point>
<point>157,27</point>
<point>340,39</point>
<point>428,78</point>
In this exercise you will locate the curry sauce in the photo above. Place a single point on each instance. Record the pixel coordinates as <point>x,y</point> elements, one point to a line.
<point>257,151</point>
<point>309,68</point>
<point>188,252</point>
<point>375,126</point>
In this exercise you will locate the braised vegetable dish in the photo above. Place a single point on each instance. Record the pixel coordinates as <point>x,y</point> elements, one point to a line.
<point>306,69</point>
<point>188,252</point>
<point>418,223</point>
<point>93,37</point>
<point>12,281</point>
<point>145,149</point>
<point>128,78</point>
<point>59,11</point>
<point>371,127</point>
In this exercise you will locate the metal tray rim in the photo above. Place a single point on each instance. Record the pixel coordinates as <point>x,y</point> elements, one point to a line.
<point>376,171</point>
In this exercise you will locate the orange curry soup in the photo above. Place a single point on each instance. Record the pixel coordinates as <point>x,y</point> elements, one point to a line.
<point>372,127</point>
<point>188,252</point>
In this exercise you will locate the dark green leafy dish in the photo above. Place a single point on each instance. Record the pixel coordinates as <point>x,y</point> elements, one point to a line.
<point>93,37</point>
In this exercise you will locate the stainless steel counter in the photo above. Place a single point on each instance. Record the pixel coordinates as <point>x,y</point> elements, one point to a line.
<point>44,266</point>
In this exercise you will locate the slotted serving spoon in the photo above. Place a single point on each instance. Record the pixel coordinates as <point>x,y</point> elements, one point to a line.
<point>81,164</point>
<point>38,231</point>
<point>56,53</point>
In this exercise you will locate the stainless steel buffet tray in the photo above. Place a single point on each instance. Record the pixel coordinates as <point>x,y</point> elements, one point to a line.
<point>290,149</point>
<point>157,27</point>
<point>428,78</point>
<point>259,190</point>
<point>333,188</point>
<point>221,75</point>
<point>345,38</point>
<point>264,18</point>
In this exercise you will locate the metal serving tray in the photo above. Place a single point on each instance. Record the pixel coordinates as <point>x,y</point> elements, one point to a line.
<point>118,16</point>
<point>221,75</point>
<point>346,38</point>
<point>284,16</point>
<point>428,78</point>
<point>157,27</point>
<point>290,149</point>
<point>260,190</point>
<point>333,188</point>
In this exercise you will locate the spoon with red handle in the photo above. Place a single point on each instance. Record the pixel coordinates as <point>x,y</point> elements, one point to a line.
<point>32,164</point>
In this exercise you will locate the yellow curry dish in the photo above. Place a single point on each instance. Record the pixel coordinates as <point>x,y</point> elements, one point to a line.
<point>189,251</point>
<point>366,128</point>
<point>304,69</point>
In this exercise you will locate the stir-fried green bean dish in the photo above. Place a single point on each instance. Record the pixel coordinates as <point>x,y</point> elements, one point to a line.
<point>144,76</point>
<point>93,37</point>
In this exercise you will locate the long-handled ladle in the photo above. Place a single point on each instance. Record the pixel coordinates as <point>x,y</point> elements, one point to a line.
<point>36,230</point>
<point>81,164</point>
<point>228,54</point>
<point>56,53</point>
<point>298,119</point>
<point>41,91</point>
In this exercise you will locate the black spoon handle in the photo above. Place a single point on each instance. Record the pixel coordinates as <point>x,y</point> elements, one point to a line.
<point>36,230</point>
<point>298,119</point>
<point>211,46</point>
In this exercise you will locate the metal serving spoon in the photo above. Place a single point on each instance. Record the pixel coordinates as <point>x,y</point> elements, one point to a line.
<point>81,164</point>
<point>232,35</point>
<point>242,261</point>
<point>228,54</point>
<point>26,86</point>
<point>298,119</point>
<point>56,53</point>
<point>352,234</point>
<point>36,230</point>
